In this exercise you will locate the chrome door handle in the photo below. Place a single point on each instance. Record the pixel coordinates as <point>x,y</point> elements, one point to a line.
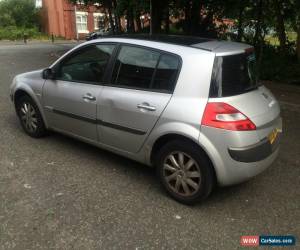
<point>89,97</point>
<point>146,106</point>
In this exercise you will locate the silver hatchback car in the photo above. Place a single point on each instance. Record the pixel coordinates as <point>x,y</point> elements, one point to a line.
<point>191,107</point>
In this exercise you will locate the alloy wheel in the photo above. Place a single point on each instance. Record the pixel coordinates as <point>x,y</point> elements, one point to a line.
<point>182,173</point>
<point>29,117</point>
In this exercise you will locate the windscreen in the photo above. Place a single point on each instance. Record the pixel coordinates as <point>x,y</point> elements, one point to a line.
<point>233,75</point>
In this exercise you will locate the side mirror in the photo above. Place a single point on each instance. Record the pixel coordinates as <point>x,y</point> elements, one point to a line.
<point>48,74</point>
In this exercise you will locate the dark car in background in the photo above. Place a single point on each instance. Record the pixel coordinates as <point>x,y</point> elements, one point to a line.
<point>98,33</point>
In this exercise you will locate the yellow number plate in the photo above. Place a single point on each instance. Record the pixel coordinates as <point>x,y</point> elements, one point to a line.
<point>272,136</point>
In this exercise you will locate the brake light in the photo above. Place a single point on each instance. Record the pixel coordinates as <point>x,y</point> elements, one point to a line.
<point>222,115</point>
<point>249,50</point>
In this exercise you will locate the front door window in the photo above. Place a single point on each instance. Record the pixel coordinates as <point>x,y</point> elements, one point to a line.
<point>88,65</point>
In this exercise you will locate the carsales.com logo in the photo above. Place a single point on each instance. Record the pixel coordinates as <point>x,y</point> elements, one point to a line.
<point>254,240</point>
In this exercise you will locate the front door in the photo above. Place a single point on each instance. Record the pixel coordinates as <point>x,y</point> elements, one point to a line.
<point>70,101</point>
<point>142,84</point>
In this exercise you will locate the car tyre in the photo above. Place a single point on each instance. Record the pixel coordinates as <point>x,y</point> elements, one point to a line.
<point>30,117</point>
<point>185,171</point>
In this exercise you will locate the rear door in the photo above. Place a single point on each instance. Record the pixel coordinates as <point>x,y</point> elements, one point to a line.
<point>141,86</point>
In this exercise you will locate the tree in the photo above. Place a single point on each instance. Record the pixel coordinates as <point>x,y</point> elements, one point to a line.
<point>199,16</point>
<point>6,19</point>
<point>298,43</point>
<point>279,13</point>
<point>294,19</point>
<point>132,9</point>
<point>253,18</point>
<point>20,13</point>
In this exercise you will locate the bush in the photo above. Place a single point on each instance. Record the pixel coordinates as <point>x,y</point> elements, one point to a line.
<point>279,66</point>
<point>16,33</point>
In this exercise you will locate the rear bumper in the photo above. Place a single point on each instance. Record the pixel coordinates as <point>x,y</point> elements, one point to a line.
<point>256,152</point>
<point>238,156</point>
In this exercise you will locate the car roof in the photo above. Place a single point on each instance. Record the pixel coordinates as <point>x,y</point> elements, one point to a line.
<point>173,39</point>
<point>209,44</point>
<point>223,48</point>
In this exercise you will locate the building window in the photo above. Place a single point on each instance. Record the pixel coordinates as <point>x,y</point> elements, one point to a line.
<point>38,3</point>
<point>98,21</point>
<point>81,22</point>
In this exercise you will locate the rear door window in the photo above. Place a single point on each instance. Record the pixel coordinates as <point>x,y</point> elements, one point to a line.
<point>145,69</point>
<point>166,73</point>
<point>135,67</point>
<point>233,75</point>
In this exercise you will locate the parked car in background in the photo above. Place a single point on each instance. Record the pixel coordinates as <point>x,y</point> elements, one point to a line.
<point>98,33</point>
<point>193,108</point>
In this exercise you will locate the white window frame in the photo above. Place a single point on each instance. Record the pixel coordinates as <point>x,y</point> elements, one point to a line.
<point>96,19</point>
<point>82,14</point>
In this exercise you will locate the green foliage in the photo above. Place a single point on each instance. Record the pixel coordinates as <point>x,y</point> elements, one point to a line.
<point>272,26</point>
<point>17,33</point>
<point>279,66</point>
<point>6,19</point>
<point>20,13</point>
<point>19,18</point>
<point>136,5</point>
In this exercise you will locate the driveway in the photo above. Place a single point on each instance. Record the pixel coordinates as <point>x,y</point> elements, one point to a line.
<point>59,193</point>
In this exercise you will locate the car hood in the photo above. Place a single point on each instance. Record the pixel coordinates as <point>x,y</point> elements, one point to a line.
<point>31,80</point>
<point>33,75</point>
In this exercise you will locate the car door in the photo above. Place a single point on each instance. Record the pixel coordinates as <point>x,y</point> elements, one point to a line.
<point>70,101</point>
<point>141,86</point>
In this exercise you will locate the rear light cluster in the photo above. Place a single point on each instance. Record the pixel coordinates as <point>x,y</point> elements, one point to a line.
<point>222,115</point>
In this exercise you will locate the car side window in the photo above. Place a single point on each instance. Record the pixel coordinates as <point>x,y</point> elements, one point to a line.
<point>166,73</point>
<point>135,67</point>
<point>87,65</point>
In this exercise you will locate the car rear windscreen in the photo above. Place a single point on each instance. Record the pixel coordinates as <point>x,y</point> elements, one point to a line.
<point>233,75</point>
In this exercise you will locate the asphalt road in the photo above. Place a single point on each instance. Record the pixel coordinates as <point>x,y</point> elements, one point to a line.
<point>58,193</point>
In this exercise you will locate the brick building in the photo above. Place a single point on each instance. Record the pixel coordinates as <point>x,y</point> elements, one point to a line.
<point>61,18</point>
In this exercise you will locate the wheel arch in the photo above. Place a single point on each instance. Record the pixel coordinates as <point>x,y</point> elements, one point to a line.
<point>22,92</point>
<point>161,141</point>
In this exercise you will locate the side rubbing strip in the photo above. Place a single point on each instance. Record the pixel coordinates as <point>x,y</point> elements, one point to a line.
<point>94,121</point>
<point>77,117</point>
<point>119,127</point>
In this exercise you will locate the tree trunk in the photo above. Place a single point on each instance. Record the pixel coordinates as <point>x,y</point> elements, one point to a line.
<point>110,18</point>
<point>258,25</point>
<point>298,44</point>
<point>187,17</point>
<point>240,22</point>
<point>195,18</point>
<point>116,17</point>
<point>117,26</point>
<point>259,53</point>
<point>138,22</point>
<point>130,21</point>
<point>280,24</point>
<point>167,20</point>
<point>259,34</point>
<point>157,12</point>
